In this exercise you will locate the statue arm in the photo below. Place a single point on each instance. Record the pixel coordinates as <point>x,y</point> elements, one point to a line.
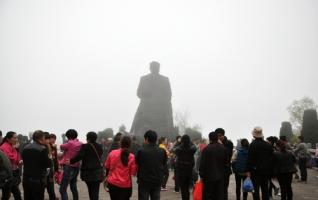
<point>169,94</point>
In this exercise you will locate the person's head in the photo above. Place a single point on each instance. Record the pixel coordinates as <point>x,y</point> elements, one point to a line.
<point>0,133</point>
<point>185,140</point>
<point>125,142</point>
<point>281,145</point>
<point>91,137</point>
<point>11,138</point>
<point>221,133</point>
<point>244,143</point>
<point>47,138</point>
<point>155,67</point>
<point>213,137</point>
<point>257,132</point>
<point>301,138</point>
<point>283,138</point>
<point>118,137</point>
<point>163,140</point>
<point>150,137</point>
<point>39,137</point>
<point>71,134</point>
<point>52,138</point>
<point>272,140</point>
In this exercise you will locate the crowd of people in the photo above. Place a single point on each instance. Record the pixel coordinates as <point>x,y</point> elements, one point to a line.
<point>39,165</point>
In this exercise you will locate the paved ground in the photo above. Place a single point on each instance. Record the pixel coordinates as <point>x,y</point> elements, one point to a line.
<point>302,191</point>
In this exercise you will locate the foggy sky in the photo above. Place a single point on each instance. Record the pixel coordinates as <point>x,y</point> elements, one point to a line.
<point>232,64</point>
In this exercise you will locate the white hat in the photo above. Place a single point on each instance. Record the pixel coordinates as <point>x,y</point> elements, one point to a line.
<point>257,132</point>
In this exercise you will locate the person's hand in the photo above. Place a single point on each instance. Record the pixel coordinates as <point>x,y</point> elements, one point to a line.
<point>21,162</point>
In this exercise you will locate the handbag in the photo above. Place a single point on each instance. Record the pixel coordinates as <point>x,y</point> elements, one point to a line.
<point>198,190</point>
<point>103,177</point>
<point>248,185</point>
<point>58,175</point>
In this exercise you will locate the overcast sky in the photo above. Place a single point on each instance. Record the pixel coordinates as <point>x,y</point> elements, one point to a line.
<point>232,64</point>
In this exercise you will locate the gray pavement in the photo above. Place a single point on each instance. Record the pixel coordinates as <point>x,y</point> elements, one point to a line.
<point>302,191</point>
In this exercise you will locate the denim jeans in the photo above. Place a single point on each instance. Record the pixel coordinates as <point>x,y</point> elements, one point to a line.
<point>69,177</point>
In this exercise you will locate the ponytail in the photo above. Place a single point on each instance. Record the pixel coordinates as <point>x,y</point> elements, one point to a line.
<point>125,145</point>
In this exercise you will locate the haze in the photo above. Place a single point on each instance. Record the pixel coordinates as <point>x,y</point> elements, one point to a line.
<point>232,64</point>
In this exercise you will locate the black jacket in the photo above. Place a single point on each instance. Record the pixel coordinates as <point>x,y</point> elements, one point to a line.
<point>284,162</point>
<point>185,156</point>
<point>260,157</point>
<point>214,161</point>
<point>150,160</point>
<point>91,168</point>
<point>229,150</point>
<point>35,161</point>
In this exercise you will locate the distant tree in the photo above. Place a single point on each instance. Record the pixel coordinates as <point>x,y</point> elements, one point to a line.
<point>107,133</point>
<point>122,129</point>
<point>194,133</point>
<point>296,111</point>
<point>181,120</point>
<point>310,127</point>
<point>286,130</point>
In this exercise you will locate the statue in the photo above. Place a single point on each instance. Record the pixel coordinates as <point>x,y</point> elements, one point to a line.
<point>155,109</point>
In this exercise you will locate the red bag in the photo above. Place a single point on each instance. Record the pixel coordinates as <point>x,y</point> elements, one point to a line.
<point>198,190</point>
<point>58,177</point>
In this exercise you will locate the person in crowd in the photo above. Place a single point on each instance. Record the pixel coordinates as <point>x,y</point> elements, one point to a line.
<point>259,164</point>
<point>163,142</point>
<point>116,142</point>
<point>54,152</point>
<point>212,169</point>
<point>150,160</point>
<point>105,147</point>
<point>229,148</point>
<point>184,165</point>
<point>316,157</point>
<point>283,138</point>
<point>120,166</point>
<point>302,155</point>
<point>284,167</point>
<point>173,164</point>
<point>70,172</point>
<point>10,147</point>
<point>272,140</point>
<point>5,176</point>
<point>135,145</point>
<point>50,177</point>
<point>239,163</point>
<point>92,167</point>
<point>36,162</point>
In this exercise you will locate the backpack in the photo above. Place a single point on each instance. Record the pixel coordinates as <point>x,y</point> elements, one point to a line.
<point>241,161</point>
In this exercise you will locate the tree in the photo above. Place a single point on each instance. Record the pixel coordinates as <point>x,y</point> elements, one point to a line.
<point>296,111</point>
<point>194,133</point>
<point>181,119</point>
<point>286,130</point>
<point>310,127</point>
<point>122,129</point>
<point>107,133</point>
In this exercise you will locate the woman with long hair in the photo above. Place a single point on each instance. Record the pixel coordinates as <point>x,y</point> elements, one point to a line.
<point>9,147</point>
<point>120,166</point>
<point>184,165</point>
<point>239,164</point>
<point>91,168</point>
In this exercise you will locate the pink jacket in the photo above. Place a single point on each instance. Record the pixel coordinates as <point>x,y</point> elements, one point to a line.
<point>71,149</point>
<point>120,175</point>
<point>12,154</point>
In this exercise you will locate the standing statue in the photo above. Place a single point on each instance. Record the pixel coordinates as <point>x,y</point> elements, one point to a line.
<point>155,109</point>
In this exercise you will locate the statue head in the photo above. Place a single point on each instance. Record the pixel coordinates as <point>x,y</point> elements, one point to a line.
<point>154,67</point>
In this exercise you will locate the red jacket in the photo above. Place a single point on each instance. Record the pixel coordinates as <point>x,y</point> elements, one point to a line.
<point>12,154</point>
<point>120,175</point>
